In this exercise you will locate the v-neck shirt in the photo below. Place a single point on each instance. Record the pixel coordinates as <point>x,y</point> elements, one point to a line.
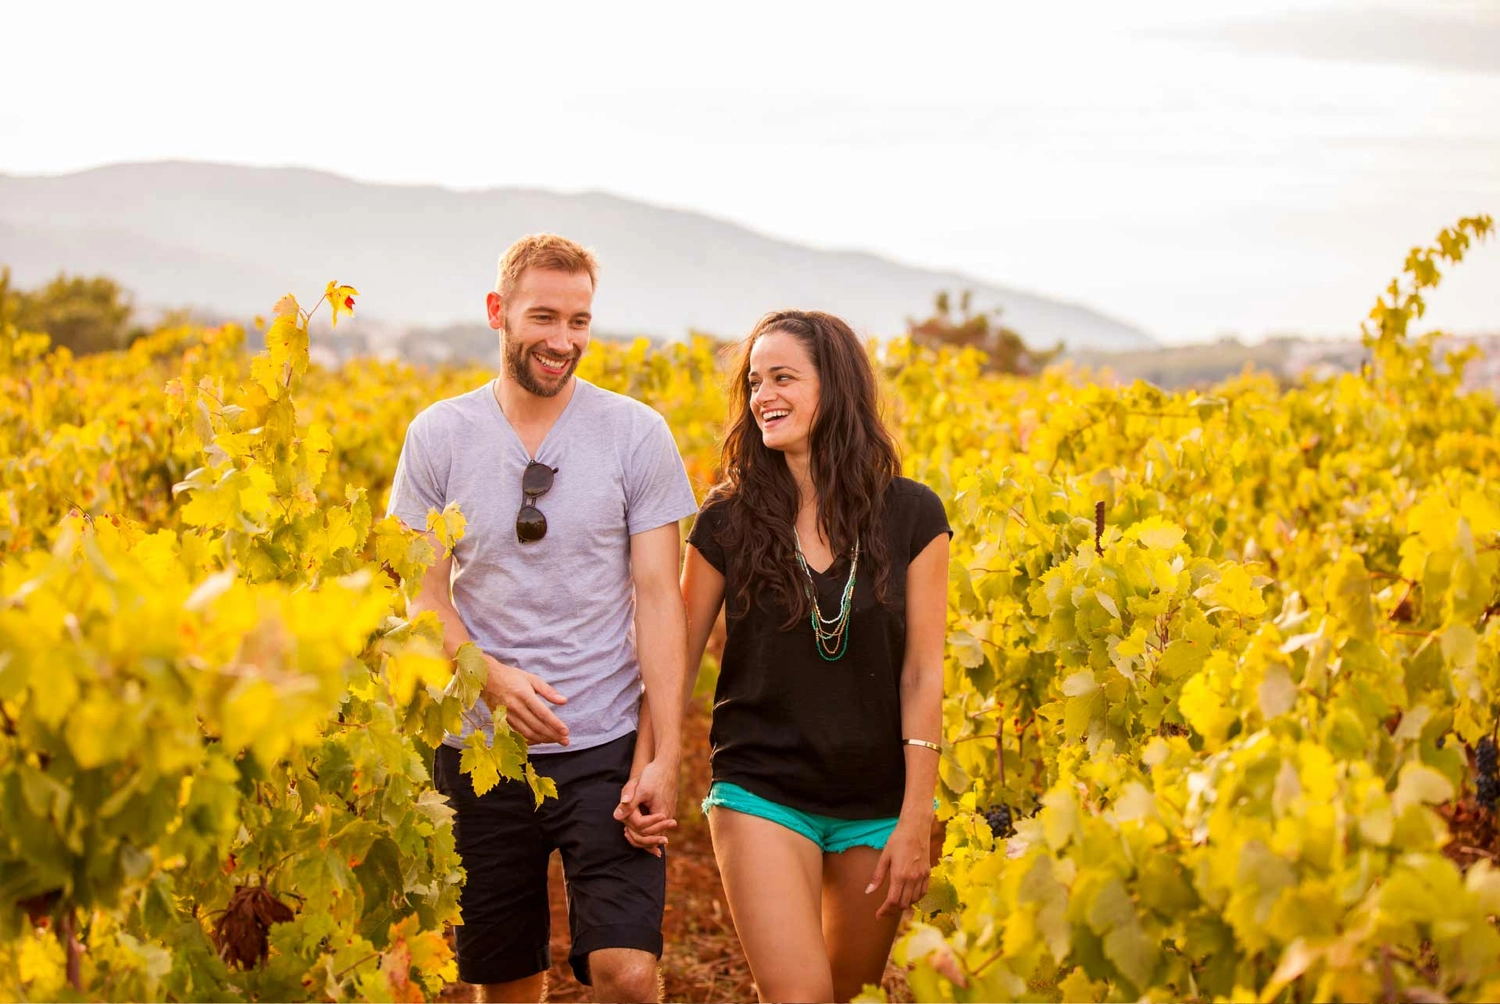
<point>562,607</point>
<point>558,427</point>
<point>823,737</point>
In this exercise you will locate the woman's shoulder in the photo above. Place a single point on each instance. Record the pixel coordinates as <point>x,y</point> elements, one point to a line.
<point>908,492</point>
<point>714,508</point>
<point>913,511</point>
<point>716,500</point>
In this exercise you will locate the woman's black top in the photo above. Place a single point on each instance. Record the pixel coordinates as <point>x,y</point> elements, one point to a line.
<point>822,737</point>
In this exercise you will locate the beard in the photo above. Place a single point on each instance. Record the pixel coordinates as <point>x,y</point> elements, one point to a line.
<point>518,368</point>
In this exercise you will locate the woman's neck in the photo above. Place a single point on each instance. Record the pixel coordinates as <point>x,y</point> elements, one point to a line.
<point>800,466</point>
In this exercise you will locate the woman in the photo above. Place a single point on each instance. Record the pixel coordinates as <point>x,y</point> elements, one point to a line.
<point>827,715</point>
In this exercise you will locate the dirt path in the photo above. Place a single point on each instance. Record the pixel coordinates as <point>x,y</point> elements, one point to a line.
<point>702,960</point>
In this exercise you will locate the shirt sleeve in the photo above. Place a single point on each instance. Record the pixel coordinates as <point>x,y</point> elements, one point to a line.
<point>704,536</point>
<point>657,491</point>
<point>417,486</point>
<point>928,520</point>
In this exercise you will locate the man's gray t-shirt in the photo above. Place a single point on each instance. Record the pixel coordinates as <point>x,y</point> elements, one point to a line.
<point>562,607</point>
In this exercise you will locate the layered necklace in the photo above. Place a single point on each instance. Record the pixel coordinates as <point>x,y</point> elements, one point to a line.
<point>831,633</point>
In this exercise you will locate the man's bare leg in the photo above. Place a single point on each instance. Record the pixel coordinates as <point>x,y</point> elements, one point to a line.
<point>532,988</point>
<point>624,975</point>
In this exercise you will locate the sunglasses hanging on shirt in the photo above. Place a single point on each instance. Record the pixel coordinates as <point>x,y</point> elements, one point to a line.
<point>536,481</point>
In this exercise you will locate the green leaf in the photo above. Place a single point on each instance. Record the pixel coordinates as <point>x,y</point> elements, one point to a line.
<point>471,673</point>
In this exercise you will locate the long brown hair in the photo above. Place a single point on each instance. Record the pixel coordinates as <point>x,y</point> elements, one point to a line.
<point>853,459</point>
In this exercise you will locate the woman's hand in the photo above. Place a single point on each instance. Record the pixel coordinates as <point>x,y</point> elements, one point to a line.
<point>643,829</point>
<point>905,862</point>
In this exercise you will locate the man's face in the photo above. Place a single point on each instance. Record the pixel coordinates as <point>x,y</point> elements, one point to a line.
<point>544,327</point>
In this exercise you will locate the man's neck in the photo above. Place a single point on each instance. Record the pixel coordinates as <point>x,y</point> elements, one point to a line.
<point>524,409</point>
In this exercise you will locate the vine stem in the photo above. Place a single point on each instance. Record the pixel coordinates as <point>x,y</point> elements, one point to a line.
<point>1402,602</point>
<point>1000,754</point>
<point>352,966</point>
<point>74,949</point>
<point>987,963</point>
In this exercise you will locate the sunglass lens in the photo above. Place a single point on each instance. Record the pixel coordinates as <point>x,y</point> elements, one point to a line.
<point>537,480</point>
<point>531,525</point>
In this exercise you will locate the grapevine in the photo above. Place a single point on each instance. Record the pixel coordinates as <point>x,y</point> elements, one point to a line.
<point>1216,664</point>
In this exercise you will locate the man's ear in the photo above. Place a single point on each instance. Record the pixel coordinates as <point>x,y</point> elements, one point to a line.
<point>494,305</point>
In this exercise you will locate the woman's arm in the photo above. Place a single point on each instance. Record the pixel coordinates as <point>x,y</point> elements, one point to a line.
<point>906,853</point>
<point>703,594</point>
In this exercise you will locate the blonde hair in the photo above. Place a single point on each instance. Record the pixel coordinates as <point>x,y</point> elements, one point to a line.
<point>544,251</point>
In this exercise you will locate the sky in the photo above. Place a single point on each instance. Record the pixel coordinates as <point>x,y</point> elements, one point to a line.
<point>1196,169</point>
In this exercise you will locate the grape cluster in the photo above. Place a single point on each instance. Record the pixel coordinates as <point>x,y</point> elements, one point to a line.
<point>1489,783</point>
<point>999,818</point>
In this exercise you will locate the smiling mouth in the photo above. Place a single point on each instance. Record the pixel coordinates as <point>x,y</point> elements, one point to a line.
<point>552,365</point>
<point>774,417</point>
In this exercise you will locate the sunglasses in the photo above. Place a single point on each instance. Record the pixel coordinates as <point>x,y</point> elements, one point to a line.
<point>531,525</point>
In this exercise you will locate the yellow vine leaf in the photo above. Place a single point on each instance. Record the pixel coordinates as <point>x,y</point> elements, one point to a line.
<point>341,299</point>
<point>449,525</point>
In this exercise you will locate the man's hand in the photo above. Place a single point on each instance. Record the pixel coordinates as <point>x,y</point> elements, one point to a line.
<point>648,805</point>
<point>521,694</point>
<point>906,863</point>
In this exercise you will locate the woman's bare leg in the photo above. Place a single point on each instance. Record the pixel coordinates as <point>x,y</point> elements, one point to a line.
<point>773,880</point>
<point>858,942</point>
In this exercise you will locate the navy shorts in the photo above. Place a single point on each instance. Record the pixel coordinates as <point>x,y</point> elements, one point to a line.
<point>616,892</point>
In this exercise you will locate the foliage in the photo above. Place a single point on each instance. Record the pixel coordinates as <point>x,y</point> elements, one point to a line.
<point>84,314</point>
<point>1004,348</point>
<point>1231,649</point>
<point>1223,653</point>
<point>215,716</point>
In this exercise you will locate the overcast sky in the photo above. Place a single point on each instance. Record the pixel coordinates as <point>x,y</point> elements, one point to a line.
<point>1193,168</point>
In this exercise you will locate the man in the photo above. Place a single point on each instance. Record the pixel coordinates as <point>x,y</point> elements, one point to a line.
<point>567,581</point>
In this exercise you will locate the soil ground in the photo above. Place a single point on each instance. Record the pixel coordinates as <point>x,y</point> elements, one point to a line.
<point>702,960</point>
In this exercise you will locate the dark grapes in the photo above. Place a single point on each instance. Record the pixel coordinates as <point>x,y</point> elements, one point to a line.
<point>1485,762</point>
<point>1485,756</point>
<point>1486,791</point>
<point>998,816</point>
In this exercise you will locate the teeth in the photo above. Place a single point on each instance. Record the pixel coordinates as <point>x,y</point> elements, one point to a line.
<point>549,361</point>
<point>770,416</point>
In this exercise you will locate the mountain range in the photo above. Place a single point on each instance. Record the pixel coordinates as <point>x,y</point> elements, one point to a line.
<point>231,239</point>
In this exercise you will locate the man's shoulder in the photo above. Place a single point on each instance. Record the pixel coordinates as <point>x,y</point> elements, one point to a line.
<point>620,411</point>
<point>453,414</point>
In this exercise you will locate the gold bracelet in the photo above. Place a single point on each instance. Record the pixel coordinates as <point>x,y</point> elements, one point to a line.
<point>923,742</point>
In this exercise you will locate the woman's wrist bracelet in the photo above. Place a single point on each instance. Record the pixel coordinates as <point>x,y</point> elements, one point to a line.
<point>923,742</point>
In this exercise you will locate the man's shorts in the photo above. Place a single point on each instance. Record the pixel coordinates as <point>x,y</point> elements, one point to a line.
<point>616,892</point>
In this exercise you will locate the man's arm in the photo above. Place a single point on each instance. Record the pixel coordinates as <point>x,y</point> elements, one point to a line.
<point>661,647</point>
<point>703,595</point>
<point>518,692</point>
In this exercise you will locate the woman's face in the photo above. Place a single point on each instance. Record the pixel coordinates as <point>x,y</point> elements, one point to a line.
<point>783,391</point>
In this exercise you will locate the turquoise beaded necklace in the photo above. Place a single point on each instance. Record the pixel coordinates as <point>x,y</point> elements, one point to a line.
<point>831,633</point>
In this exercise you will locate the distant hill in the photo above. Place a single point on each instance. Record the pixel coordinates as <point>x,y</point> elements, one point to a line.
<point>231,239</point>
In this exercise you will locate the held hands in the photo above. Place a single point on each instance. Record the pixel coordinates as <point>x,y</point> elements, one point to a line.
<point>648,806</point>
<point>521,694</point>
<point>904,860</point>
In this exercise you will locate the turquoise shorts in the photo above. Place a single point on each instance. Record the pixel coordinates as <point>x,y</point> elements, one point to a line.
<point>832,835</point>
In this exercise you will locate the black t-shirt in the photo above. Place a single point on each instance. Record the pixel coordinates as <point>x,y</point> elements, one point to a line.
<point>823,737</point>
